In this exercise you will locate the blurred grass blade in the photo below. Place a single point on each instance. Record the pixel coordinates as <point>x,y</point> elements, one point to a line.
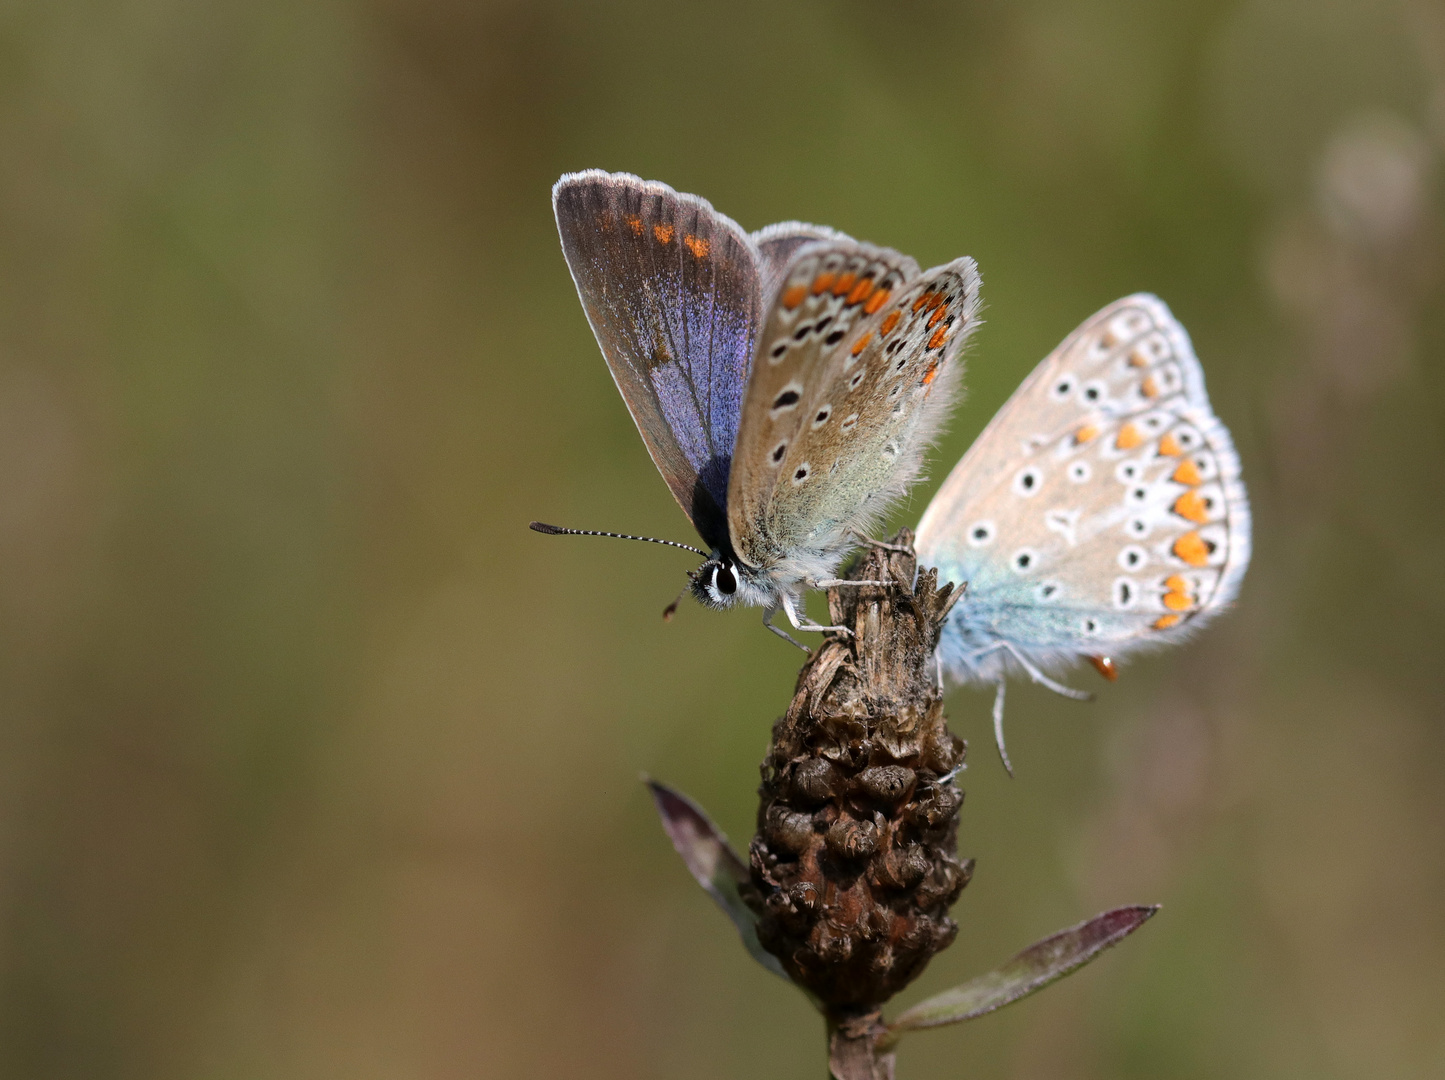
<point>713,862</point>
<point>1040,964</point>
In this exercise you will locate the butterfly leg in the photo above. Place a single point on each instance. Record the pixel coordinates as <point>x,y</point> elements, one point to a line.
<point>805,623</point>
<point>947,778</point>
<point>833,583</point>
<point>879,544</point>
<point>998,727</point>
<point>1043,680</point>
<point>768,614</point>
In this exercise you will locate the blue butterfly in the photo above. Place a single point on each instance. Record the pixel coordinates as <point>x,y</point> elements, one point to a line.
<point>1100,513</point>
<point>786,382</point>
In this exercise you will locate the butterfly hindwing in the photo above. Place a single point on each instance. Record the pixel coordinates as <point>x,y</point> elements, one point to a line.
<point>1102,509</point>
<point>777,244</point>
<point>855,369</point>
<point>672,290</point>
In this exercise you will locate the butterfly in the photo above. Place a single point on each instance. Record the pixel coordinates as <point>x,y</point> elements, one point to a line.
<point>1100,513</point>
<point>786,382</point>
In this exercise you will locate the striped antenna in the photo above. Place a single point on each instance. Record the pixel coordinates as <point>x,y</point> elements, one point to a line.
<point>557,530</point>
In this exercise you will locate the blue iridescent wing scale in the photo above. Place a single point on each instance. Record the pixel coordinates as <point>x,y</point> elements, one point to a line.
<point>672,290</point>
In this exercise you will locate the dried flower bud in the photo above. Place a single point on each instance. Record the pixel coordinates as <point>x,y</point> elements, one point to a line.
<point>934,806</point>
<point>815,781</point>
<point>885,785</point>
<point>849,839</point>
<point>788,830</point>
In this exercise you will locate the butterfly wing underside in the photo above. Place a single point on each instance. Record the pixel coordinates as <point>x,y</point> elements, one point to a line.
<point>1101,511</point>
<point>777,244</point>
<point>856,366</point>
<point>671,289</point>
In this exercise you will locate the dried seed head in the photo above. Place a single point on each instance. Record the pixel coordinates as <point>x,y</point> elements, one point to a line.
<point>854,860</point>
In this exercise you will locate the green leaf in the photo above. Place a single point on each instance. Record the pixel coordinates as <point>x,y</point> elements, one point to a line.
<point>1031,970</point>
<point>713,863</point>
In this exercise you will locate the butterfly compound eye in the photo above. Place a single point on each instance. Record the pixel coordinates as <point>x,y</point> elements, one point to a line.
<point>725,580</point>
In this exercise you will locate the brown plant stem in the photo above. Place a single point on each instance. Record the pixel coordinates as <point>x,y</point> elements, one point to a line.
<point>853,1046</point>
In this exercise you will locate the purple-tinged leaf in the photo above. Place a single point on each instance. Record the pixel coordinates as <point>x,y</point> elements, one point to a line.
<point>713,863</point>
<point>1047,961</point>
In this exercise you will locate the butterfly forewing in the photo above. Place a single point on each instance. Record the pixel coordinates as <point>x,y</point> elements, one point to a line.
<point>672,291</point>
<point>855,369</point>
<point>1102,508</point>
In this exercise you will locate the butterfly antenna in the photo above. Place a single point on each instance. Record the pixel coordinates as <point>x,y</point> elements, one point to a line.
<point>671,609</point>
<point>557,530</point>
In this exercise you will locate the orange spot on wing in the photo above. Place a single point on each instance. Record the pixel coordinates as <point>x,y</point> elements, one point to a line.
<point>697,245</point>
<point>634,223</point>
<point>1085,433</point>
<point>1169,446</point>
<point>1164,622</point>
<point>889,322</point>
<point>876,301</point>
<point>1105,667</point>
<point>931,373</point>
<point>663,233</point>
<point>843,284</point>
<point>1138,359</point>
<point>1187,473</point>
<point>934,299</point>
<point>860,291</point>
<point>823,282</point>
<point>922,302</point>
<point>1128,438</point>
<point>1178,601</point>
<point>1176,583</point>
<point>1192,549</point>
<point>794,296</point>
<point>1190,506</point>
<point>862,343</point>
<point>1149,387</point>
<point>938,314</point>
<point>938,338</point>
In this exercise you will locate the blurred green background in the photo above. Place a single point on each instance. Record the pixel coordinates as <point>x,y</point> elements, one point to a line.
<point>314,762</point>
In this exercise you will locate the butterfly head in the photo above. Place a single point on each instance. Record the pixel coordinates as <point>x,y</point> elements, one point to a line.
<point>722,582</point>
<point>715,583</point>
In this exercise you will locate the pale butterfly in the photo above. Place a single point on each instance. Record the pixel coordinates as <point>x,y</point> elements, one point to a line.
<point>786,382</point>
<point>1100,513</point>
